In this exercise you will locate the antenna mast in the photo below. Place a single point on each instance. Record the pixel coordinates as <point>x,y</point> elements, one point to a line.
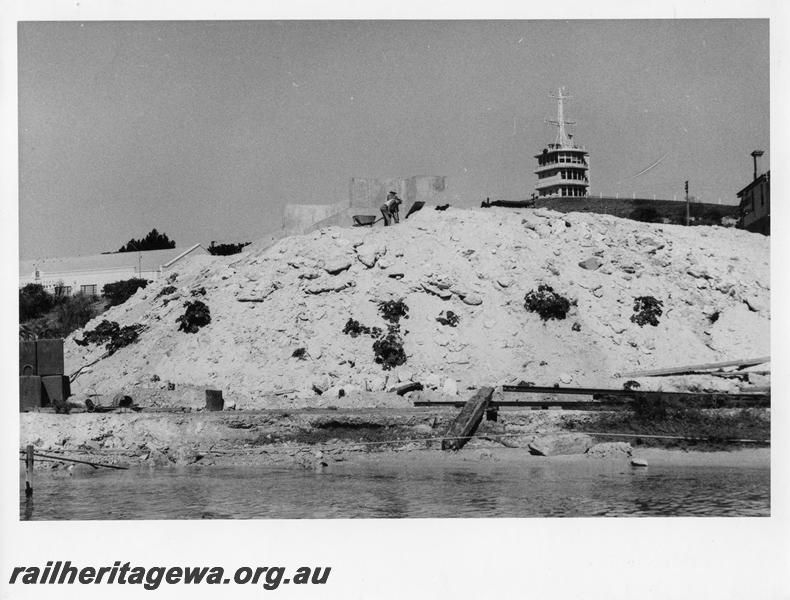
<point>562,139</point>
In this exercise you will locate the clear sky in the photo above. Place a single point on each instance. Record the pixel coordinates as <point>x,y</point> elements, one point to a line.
<point>205,130</point>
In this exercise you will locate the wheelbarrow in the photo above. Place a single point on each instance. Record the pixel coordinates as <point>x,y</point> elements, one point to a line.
<point>365,220</point>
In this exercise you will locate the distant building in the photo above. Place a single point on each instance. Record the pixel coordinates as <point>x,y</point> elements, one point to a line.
<point>563,167</point>
<point>88,274</point>
<point>755,206</point>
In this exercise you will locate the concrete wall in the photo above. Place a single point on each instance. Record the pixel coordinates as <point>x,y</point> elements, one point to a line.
<point>366,195</point>
<point>371,193</point>
<point>297,218</point>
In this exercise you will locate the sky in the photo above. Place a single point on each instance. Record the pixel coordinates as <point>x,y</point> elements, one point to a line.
<point>205,130</point>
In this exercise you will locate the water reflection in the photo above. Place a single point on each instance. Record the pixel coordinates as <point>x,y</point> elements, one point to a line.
<point>591,488</point>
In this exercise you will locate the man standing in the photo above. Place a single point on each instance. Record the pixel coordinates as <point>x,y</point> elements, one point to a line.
<point>390,209</point>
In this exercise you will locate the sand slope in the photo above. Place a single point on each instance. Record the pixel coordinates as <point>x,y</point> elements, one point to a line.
<point>714,284</point>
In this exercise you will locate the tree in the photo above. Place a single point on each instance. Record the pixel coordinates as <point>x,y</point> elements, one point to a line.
<point>226,249</point>
<point>120,291</point>
<point>34,301</point>
<point>153,241</point>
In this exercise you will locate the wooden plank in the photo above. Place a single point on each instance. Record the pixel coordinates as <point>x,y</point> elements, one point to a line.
<point>744,362</point>
<point>740,401</point>
<point>467,420</point>
<point>597,393</point>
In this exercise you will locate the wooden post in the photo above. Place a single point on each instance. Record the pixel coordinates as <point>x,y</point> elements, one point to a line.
<point>29,471</point>
<point>214,400</point>
<point>467,420</point>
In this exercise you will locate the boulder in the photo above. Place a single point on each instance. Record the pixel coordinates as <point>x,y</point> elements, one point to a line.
<point>368,255</point>
<point>591,264</point>
<point>337,265</point>
<point>561,443</point>
<point>610,450</point>
<point>472,299</point>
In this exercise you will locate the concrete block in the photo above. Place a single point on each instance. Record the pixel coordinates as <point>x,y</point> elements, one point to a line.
<point>56,389</point>
<point>30,396</point>
<point>49,357</point>
<point>27,358</point>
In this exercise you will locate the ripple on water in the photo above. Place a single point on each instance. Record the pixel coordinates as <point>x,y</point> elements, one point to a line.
<point>589,489</point>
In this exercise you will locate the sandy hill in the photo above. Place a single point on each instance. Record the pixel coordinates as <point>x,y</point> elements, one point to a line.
<point>713,282</point>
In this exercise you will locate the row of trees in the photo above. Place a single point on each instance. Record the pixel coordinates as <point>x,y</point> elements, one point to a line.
<point>159,241</point>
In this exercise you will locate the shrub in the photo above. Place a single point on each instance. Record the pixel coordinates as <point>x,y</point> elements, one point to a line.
<point>393,310</point>
<point>125,336</point>
<point>120,291</point>
<point>449,318</point>
<point>197,315</point>
<point>547,303</point>
<point>354,328</point>
<point>388,350</point>
<point>166,291</point>
<point>34,301</point>
<point>74,312</point>
<point>116,337</point>
<point>647,309</point>
<point>299,353</point>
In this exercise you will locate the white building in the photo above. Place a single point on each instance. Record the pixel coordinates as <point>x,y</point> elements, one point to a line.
<point>88,274</point>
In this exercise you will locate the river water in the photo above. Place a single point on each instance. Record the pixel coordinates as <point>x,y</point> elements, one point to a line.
<point>478,489</point>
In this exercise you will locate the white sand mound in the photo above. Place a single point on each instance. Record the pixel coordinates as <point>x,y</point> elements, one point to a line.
<point>714,284</point>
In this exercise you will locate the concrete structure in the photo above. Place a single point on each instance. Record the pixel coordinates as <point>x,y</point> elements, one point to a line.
<point>755,206</point>
<point>366,195</point>
<point>88,274</point>
<point>563,167</point>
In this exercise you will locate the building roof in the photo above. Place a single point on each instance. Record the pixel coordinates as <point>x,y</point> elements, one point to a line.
<point>760,178</point>
<point>147,260</point>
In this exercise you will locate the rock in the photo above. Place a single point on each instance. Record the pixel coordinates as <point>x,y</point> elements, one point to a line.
<point>375,384</point>
<point>368,255</point>
<point>591,264</point>
<point>321,384</point>
<point>405,375</point>
<point>337,265</point>
<point>442,293</point>
<point>80,470</point>
<point>450,387</point>
<point>638,462</point>
<point>561,443</point>
<point>327,286</point>
<point>472,299</point>
<point>537,450</point>
<point>610,450</point>
<point>185,456</point>
<point>759,379</point>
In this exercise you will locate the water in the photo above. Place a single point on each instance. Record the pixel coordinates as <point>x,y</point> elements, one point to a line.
<point>548,489</point>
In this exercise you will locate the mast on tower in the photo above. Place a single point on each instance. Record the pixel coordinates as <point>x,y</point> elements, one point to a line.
<point>562,140</point>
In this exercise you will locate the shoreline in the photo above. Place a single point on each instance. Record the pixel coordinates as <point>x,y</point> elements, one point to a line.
<point>321,438</point>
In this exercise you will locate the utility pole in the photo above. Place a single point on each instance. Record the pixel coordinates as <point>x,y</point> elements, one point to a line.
<point>687,203</point>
